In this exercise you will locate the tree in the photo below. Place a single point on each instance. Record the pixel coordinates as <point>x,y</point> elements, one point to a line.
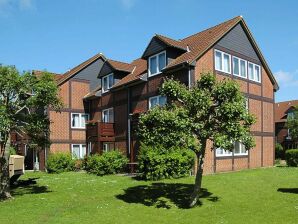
<point>292,125</point>
<point>24,99</point>
<point>210,110</point>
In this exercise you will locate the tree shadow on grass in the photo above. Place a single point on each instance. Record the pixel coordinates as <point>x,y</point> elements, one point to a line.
<point>28,186</point>
<point>288,190</point>
<point>162,195</point>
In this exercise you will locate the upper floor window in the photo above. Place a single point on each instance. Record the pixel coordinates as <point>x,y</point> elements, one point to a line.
<point>290,115</point>
<point>108,146</point>
<point>157,63</point>
<point>108,115</point>
<point>239,67</point>
<point>239,149</point>
<point>157,100</point>
<point>107,82</point>
<point>222,62</point>
<point>254,72</point>
<point>78,120</point>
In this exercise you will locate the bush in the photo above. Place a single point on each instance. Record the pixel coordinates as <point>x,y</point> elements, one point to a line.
<point>156,163</point>
<point>292,157</point>
<point>279,151</point>
<point>108,163</point>
<point>60,162</point>
<point>12,151</point>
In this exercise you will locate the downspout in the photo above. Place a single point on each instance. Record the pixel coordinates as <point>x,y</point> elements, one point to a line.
<point>189,77</point>
<point>129,123</point>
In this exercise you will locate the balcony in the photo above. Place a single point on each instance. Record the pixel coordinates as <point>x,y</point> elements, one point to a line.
<point>101,131</point>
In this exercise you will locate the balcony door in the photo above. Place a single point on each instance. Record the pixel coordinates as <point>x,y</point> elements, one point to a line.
<point>108,115</point>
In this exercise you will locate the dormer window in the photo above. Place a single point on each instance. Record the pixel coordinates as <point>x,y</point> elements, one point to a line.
<point>156,63</point>
<point>107,82</point>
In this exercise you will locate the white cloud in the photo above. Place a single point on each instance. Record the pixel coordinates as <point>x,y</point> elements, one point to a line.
<point>128,4</point>
<point>8,7</point>
<point>287,78</point>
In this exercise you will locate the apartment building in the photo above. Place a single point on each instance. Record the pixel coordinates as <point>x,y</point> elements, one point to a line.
<point>104,98</point>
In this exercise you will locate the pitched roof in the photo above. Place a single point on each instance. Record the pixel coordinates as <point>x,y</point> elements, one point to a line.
<point>171,42</point>
<point>139,68</point>
<point>38,73</point>
<point>281,108</point>
<point>200,42</point>
<point>120,66</point>
<point>67,75</point>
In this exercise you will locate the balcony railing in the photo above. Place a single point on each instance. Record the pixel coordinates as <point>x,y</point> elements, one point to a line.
<point>100,130</point>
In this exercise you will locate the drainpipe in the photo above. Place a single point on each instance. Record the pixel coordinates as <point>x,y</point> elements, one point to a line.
<point>129,124</point>
<point>189,77</point>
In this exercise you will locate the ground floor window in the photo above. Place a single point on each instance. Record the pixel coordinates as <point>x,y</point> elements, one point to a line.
<point>108,146</point>
<point>78,151</point>
<point>239,149</point>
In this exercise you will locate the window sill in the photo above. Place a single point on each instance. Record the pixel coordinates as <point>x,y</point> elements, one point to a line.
<point>77,128</point>
<point>231,157</point>
<point>227,73</point>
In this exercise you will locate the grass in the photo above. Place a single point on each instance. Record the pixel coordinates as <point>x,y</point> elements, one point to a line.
<point>252,196</point>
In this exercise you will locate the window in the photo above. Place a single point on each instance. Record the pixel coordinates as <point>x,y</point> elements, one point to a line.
<point>254,72</point>
<point>157,63</point>
<point>157,100</point>
<point>239,149</point>
<point>79,120</point>
<point>108,115</point>
<point>108,146</point>
<point>78,151</point>
<point>107,82</point>
<point>239,67</point>
<point>290,115</point>
<point>222,62</point>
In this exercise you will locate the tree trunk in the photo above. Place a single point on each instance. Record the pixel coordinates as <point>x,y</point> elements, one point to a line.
<point>4,169</point>
<point>198,182</point>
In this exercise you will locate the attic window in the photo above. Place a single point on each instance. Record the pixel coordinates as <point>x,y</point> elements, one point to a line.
<point>107,82</point>
<point>222,62</point>
<point>156,63</point>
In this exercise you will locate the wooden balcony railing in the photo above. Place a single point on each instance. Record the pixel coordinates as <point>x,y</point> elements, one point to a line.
<point>100,130</point>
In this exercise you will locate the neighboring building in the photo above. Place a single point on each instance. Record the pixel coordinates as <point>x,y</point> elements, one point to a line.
<point>282,111</point>
<point>122,91</point>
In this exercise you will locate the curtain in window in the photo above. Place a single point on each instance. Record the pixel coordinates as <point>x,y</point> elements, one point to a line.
<point>218,64</point>
<point>243,68</point>
<point>227,63</point>
<point>83,151</point>
<point>153,65</point>
<point>111,116</point>
<point>76,151</point>
<point>161,61</point>
<point>236,66</point>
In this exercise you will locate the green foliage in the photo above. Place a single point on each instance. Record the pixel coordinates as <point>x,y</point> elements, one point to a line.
<point>23,100</point>
<point>60,162</point>
<point>108,163</point>
<point>292,157</point>
<point>12,151</point>
<point>209,110</point>
<point>279,151</point>
<point>292,125</point>
<point>157,163</point>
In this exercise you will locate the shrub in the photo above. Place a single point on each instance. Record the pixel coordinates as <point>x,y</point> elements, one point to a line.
<point>60,162</point>
<point>108,163</point>
<point>12,151</point>
<point>279,151</point>
<point>157,163</point>
<point>292,157</point>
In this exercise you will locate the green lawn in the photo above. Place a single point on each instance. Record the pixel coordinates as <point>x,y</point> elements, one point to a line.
<point>251,196</point>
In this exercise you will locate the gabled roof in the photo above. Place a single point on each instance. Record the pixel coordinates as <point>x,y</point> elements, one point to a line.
<point>38,73</point>
<point>139,68</point>
<point>281,109</point>
<point>120,66</point>
<point>69,74</point>
<point>168,42</point>
<point>200,42</point>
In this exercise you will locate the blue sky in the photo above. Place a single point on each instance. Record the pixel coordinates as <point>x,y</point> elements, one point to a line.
<point>56,35</point>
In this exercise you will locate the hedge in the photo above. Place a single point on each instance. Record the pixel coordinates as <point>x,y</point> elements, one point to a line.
<point>292,157</point>
<point>108,163</point>
<point>157,163</point>
<point>60,162</point>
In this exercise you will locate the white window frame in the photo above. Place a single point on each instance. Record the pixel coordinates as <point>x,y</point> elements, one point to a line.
<point>158,71</point>
<point>227,153</point>
<point>158,100</point>
<point>222,61</point>
<point>108,110</point>
<point>82,155</point>
<point>106,146</point>
<point>239,67</point>
<point>80,120</point>
<point>254,74</point>
<point>108,86</point>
